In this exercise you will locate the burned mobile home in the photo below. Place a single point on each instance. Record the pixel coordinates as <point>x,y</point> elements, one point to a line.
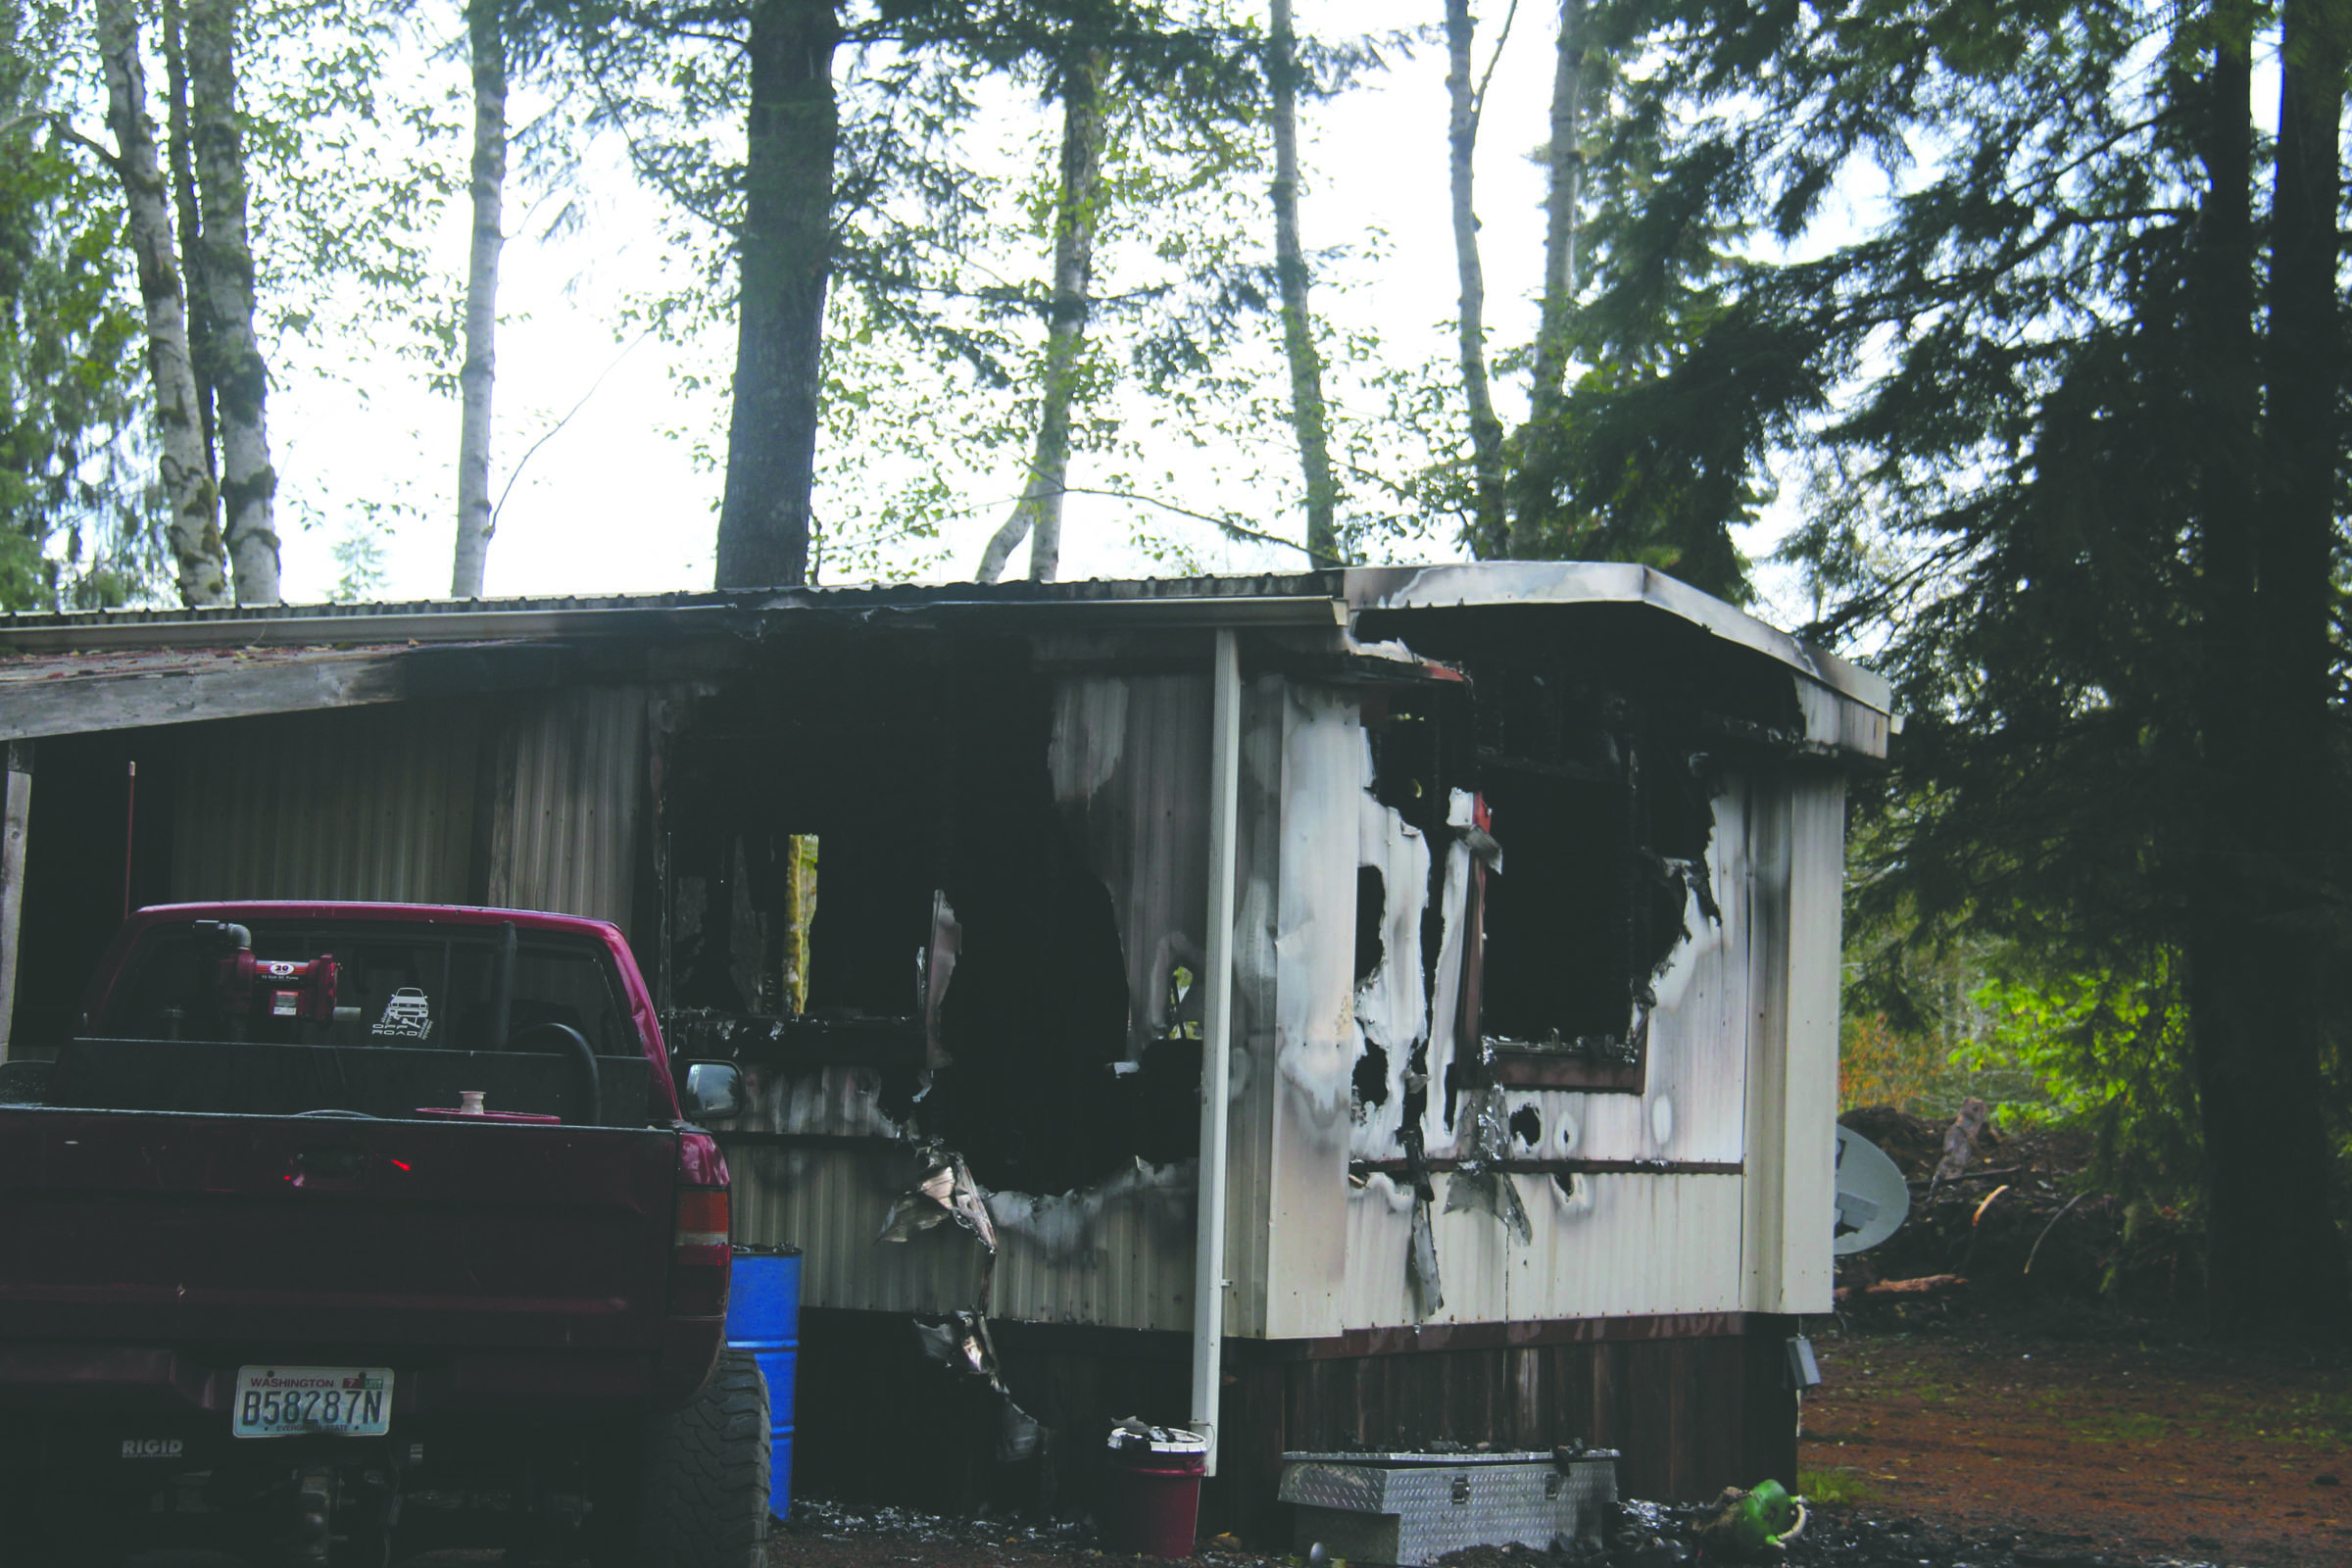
<point>1480,923</point>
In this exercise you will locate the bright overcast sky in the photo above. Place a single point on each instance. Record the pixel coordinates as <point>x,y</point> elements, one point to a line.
<point>614,503</point>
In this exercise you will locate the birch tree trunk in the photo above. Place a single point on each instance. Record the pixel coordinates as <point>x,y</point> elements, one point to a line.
<point>1077,213</point>
<point>1490,525</point>
<point>248,483</point>
<point>187,483</point>
<point>1307,412</point>
<point>191,228</point>
<point>786,247</point>
<point>1565,166</point>
<point>487,37</point>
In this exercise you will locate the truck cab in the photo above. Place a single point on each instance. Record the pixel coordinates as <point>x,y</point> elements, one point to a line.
<point>339,1229</point>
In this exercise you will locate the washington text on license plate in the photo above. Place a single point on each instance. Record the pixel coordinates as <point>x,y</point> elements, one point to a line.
<point>286,1401</point>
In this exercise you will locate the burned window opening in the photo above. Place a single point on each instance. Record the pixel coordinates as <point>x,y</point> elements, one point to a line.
<point>1606,826</point>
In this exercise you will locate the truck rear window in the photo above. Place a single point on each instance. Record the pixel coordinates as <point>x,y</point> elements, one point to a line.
<point>396,984</point>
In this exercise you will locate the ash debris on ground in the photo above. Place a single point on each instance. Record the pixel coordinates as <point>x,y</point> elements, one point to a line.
<point>1640,1535</point>
<point>1649,1535</point>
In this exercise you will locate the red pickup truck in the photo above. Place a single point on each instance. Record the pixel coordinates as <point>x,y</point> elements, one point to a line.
<point>345,1230</point>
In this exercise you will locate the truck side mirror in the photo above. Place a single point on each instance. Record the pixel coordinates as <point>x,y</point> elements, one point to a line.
<point>714,1089</point>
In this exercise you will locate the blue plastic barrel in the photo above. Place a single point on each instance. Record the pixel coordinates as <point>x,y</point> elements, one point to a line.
<point>764,1317</point>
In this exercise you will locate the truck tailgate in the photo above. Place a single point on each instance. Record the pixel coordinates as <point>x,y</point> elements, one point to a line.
<point>154,1226</point>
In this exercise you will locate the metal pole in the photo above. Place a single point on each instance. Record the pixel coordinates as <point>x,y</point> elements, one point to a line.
<point>1216,1040</point>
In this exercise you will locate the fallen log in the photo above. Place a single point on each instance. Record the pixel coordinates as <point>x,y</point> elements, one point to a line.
<point>1926,1288</point>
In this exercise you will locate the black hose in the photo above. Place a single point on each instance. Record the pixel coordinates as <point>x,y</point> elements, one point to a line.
<point>585,1055</point>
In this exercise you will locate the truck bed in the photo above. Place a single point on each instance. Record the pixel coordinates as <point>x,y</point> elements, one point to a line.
<point>285,1235</point>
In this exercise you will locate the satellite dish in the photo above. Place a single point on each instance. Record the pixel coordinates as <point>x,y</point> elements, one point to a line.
<point>1873,1198</point>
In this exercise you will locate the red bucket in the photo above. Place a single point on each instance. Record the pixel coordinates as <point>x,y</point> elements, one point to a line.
<point>1151,1492</point>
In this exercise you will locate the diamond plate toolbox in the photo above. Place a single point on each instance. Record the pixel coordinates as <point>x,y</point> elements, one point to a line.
<point>1413,1508</point>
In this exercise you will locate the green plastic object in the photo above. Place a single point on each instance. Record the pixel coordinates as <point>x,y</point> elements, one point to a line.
<point>1750,1524</point>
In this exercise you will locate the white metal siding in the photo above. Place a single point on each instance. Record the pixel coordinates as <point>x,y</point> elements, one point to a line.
<point>1604,1244</point>
<point>1817,853</point>
<point>1611,1246</point>
<point>1324,767</point>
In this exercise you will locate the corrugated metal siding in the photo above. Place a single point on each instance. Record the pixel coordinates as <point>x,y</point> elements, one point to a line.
<point>831,1203</point>
<point>373,803</point>
<point>1119,1255</point>
<point>566,837</point>
<point>1324,769</point>
<point>1611,1246</point>
<point>1131,754</point>
<point>1250,1126</point>
<point>1817,881</point>
<point>381,803</point>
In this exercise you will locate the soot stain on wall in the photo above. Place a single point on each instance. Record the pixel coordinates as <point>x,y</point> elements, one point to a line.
<point>1041,1092</point>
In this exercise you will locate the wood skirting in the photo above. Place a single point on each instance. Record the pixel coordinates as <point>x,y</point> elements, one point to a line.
<point>1694,1402</point>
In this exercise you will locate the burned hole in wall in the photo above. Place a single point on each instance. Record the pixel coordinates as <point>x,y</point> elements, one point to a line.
<point>924,777</point>
<point>1371,921</point>
<point>1590,753</point>
<point>1604,828</point>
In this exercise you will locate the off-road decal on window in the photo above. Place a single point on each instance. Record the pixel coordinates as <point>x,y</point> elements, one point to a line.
<point>409,1015</point>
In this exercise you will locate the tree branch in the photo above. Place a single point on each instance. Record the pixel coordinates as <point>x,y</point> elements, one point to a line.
<point>1477,105</point>
<point>1225,525</point>
<point>557,429</point>
<point>66,133</point>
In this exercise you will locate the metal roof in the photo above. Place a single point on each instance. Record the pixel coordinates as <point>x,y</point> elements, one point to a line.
<point>120,668</point>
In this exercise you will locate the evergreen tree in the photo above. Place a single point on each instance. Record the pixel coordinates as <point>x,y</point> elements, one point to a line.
<point>2073,404</point>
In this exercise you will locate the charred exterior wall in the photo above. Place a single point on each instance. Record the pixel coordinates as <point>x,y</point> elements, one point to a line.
<point>1602,999</point>
<point>1058,816</point>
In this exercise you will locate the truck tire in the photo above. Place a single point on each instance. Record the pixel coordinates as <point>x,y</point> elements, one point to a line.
<point>703,1497</point>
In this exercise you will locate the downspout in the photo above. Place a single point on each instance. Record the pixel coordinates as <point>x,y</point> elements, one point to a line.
<point>1216,1040</point>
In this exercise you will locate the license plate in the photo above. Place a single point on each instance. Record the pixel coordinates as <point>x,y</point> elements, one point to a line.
<point>292,1402</point>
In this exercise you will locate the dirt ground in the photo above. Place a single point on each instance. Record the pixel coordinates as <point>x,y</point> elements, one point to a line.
<point>2110,1444</point>
<point>1945,1445</point>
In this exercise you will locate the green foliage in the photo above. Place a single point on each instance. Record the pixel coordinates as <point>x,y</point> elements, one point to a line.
<point>352,165</point>
<point>78,520</point>
<point>2108,1052</point>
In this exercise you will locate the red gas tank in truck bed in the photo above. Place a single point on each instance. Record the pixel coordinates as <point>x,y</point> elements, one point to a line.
<point>251,1159</point>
